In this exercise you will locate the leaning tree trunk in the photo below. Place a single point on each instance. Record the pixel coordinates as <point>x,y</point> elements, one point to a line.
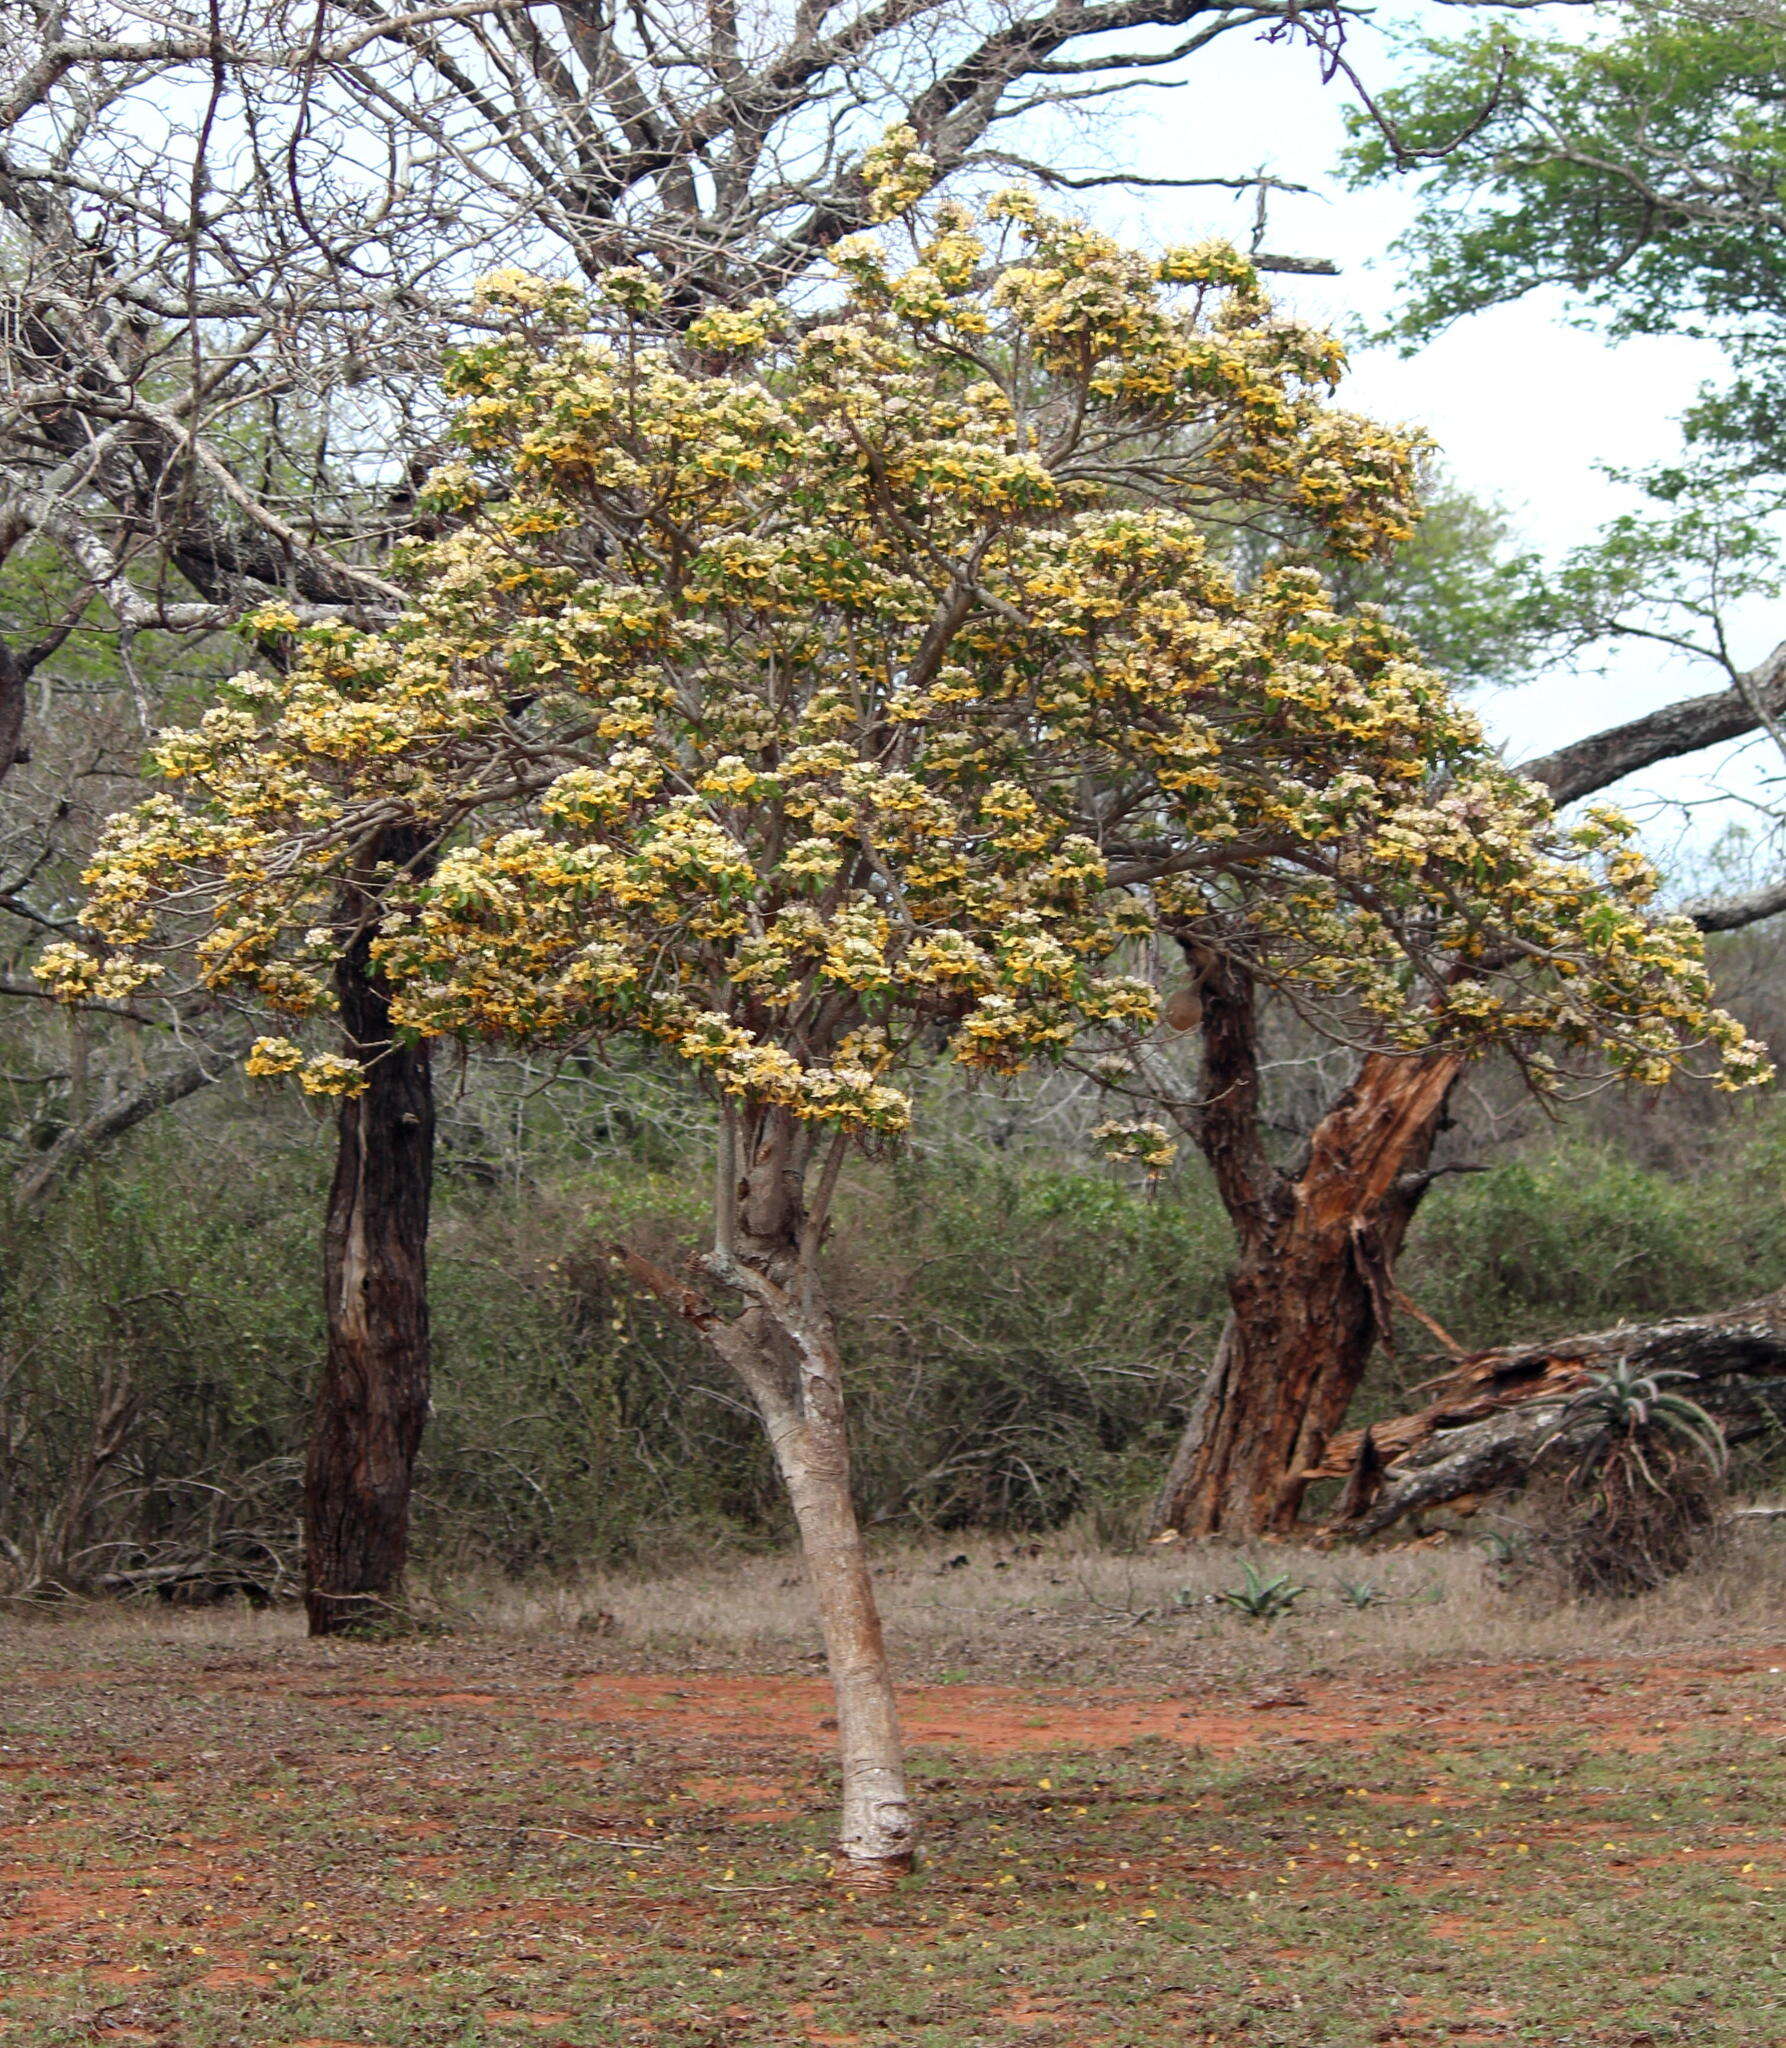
<point>372,1401</point>
<point>878,1831</point>
<point>15,679</point>
<point>1492,1415</point>
<point>783,1346</point>
<point>1311,1291</point>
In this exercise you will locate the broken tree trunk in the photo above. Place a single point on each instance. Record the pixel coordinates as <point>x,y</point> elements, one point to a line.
<point>1492,1413</point>
<point>1311,1290</point>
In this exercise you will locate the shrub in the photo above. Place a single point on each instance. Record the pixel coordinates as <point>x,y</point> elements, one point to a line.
<point>1632,1509</point>
<point>1026,1336</point>
<point>1577,1237</point>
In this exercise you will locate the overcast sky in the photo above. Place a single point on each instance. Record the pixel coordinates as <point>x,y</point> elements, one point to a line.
<point>1524,406</point>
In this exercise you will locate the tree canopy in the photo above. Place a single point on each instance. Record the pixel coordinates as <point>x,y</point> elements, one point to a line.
<point>793,693</point>
<point>1640,168</point>
<point>804,694</point>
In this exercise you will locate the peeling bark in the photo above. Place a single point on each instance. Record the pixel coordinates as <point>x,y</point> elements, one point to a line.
<point>1311,1287</point>
<point>1491,1414</point>
<point>783,1347</point>
<point>1309,1300</point>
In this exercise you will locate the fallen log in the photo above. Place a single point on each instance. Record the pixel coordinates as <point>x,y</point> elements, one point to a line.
<point>1492,1412</point>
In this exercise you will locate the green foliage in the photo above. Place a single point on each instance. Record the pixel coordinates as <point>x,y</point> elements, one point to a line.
<point>1024,1336</point>
<point>1260,1598</point>
<point>1458,588</point>
<point>1671,572</point>
<point>159,1330</point>
<point>1579,1236</point>
<point>1593,166</point>
<point>1639,169</point>
<point>1625,1409</point>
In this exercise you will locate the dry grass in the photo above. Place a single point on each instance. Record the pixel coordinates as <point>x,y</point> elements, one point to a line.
<point>217,1834</point>
<point>1065,1609</point>
<point>1069,1608</point>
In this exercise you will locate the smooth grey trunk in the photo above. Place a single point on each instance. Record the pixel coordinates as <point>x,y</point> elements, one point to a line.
<point>879,1831</point>
<point>783,1346</point>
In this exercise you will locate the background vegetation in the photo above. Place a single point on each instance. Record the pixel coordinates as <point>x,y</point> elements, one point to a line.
<point>1026,1329</point>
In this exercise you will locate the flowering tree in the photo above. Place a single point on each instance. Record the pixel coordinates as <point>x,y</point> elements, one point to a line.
<point>176,445</point>
<point>808,700</point>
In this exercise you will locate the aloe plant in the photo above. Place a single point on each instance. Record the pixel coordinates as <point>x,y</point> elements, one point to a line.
<point>1631,1411</point>
<point>1262,1599</point>
<point>1643,1489</point>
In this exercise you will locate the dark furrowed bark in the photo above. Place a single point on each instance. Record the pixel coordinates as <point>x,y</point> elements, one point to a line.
<point>372,1400</point>
<point>15,676</point>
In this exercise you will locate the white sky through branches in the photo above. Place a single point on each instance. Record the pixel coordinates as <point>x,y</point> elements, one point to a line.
<point>1525,407</point>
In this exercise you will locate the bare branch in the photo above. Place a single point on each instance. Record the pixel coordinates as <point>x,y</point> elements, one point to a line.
<point>1684,727</point>
<point>80,1142</point>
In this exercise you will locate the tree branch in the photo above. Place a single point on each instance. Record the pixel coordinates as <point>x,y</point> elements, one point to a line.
<point>1684,727</point>
<point>78,1144</point>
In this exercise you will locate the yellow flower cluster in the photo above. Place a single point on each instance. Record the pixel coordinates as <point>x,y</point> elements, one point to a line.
<point>885,687</point>
<point>321,1073</point>
<point>1141,1142</point>
<point>897,173</point>
<point>77,975</point>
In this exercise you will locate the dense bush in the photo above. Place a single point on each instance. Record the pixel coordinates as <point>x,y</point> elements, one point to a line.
<point>1577,1236</point>
<point>1023,1335</point>
<point>159,1325</point>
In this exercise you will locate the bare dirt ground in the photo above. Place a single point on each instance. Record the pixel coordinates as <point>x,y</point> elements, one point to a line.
<point>597,1814</point>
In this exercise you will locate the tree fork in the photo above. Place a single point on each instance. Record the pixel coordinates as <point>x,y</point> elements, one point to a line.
<point>1311,1288</point>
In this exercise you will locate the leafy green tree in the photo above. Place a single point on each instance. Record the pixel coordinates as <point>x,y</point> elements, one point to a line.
<point>1641,168</point>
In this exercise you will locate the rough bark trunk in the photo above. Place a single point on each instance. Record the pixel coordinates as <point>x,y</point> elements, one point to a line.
<point>1492,1413</point>
<point>783,1346</point>
<point>1308,1301</point>
<point>15,678</point>
<point>1311,1291</point>
<point>372,1401</point>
